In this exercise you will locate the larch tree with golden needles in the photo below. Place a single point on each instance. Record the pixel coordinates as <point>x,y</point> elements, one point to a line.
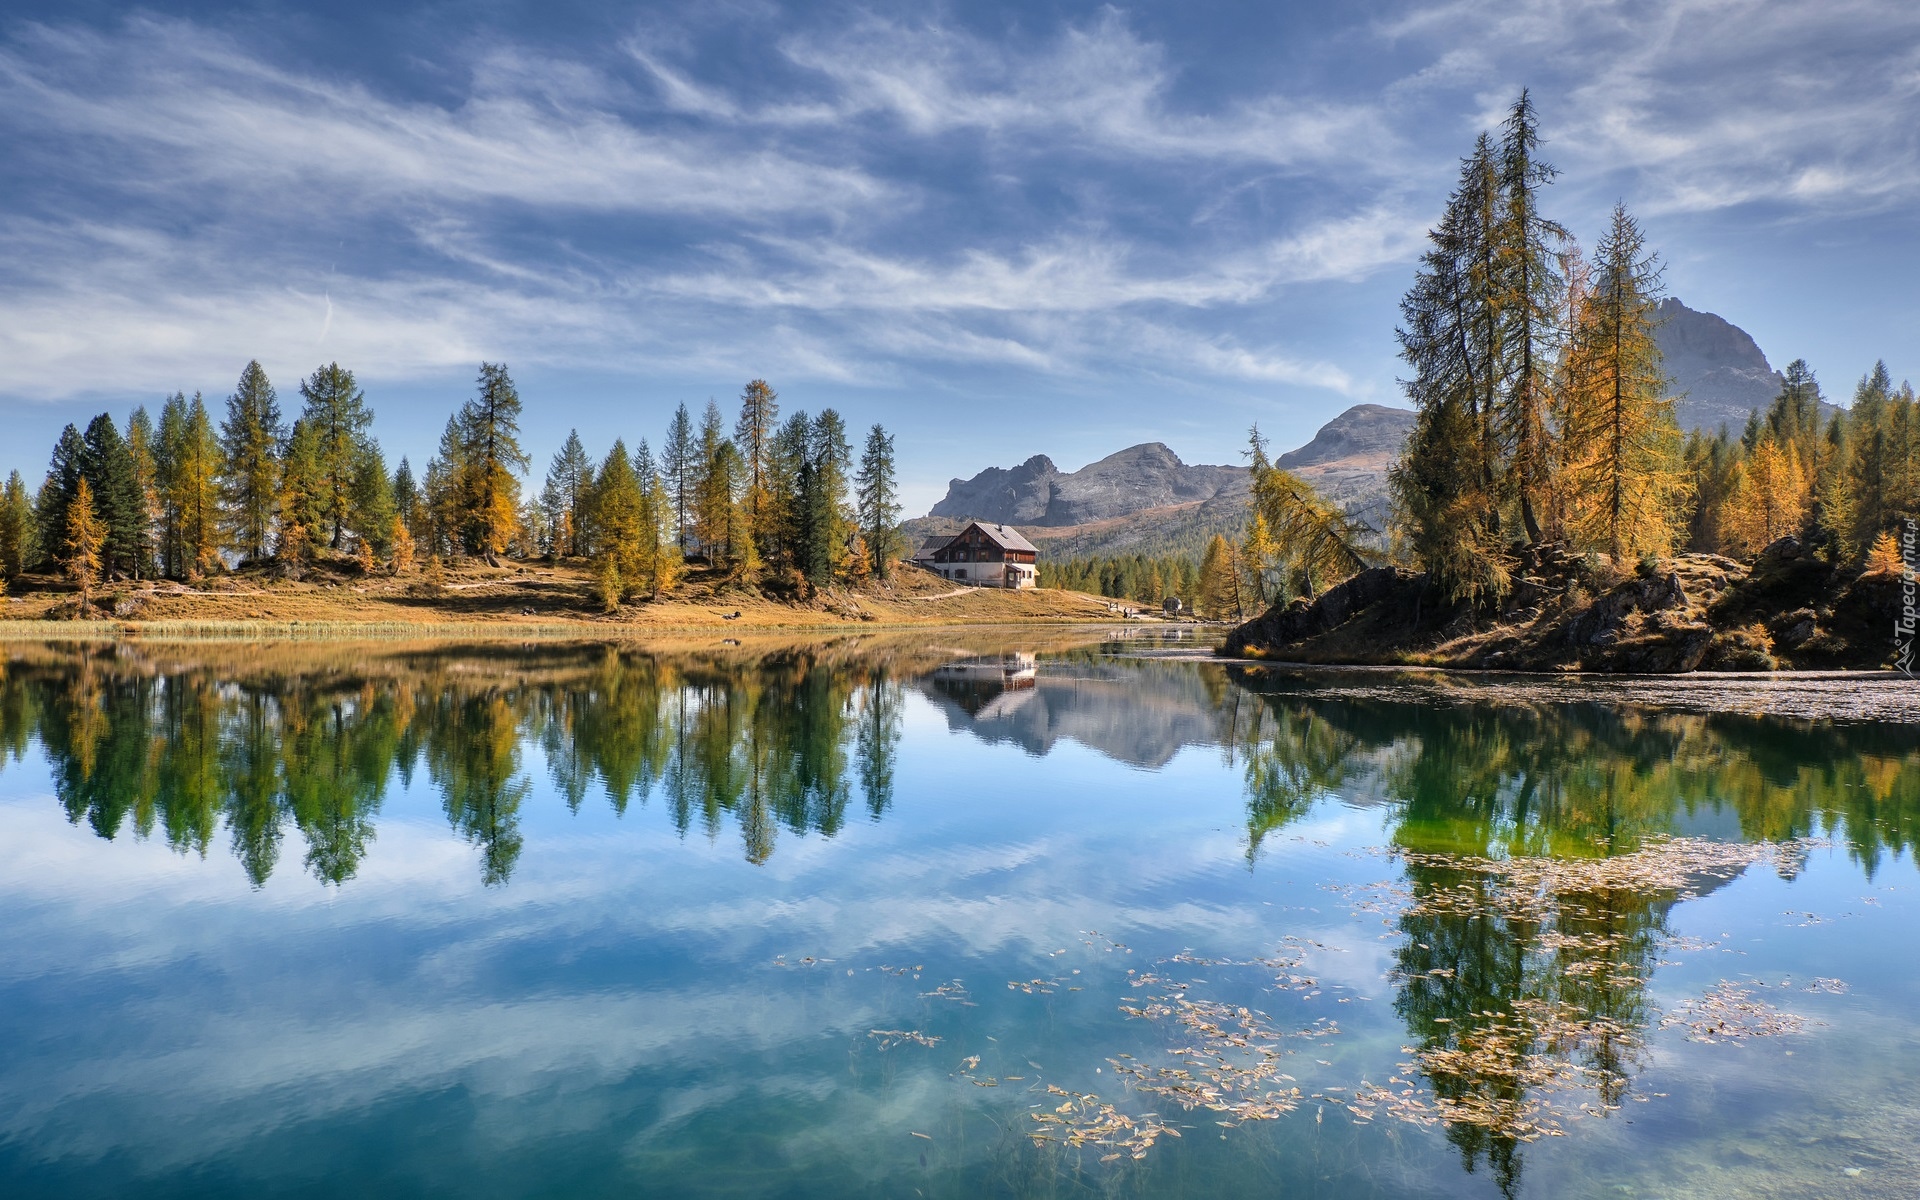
<point>617,518</point>
<point>1257,554</point>
<point>1626,484</point>
<point>402,547</point>
<point>1769,499</point>
<point>1313,541</point>
<point>86,533</point>
<point>1219,589</point>
<point>1884,557</point>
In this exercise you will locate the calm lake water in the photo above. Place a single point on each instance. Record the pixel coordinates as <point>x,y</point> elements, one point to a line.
<point>972,917</point>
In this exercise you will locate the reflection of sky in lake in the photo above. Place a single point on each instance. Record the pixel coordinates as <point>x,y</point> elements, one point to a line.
<point>611,1018</point>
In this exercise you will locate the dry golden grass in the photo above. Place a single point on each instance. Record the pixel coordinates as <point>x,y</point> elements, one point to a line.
<point>521,599</point>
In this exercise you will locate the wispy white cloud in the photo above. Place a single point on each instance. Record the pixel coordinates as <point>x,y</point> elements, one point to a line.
<point>1809,105</point>
<point>184,107</point>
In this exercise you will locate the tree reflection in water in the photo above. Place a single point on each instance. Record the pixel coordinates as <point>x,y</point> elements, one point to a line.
<point>1520,982</point>
<point>769,741</point>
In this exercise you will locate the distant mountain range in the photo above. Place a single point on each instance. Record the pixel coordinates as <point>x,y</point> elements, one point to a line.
<point>1145,500</point>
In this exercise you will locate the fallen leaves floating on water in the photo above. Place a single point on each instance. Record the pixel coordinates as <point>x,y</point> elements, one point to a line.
<point>1729,1012</point>
<point>889,1038</point>
<point>1083,1119</point>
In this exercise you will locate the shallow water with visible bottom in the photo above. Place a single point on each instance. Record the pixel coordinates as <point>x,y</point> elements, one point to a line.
<point>936,917</point>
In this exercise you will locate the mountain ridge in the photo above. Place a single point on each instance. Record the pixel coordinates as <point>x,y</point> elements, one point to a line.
<point>1145,499</point>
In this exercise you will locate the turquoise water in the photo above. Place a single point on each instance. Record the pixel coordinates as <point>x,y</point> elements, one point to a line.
<point>840,920</point>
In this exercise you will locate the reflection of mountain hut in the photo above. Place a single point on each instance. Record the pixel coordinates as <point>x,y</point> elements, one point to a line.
<point>988,688</point>
<point>984,555</point>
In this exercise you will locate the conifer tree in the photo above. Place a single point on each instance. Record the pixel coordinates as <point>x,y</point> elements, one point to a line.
<point>107,466</point>
<point>492,459</point>
<point>877,501</point>
<point>1529,299</point>
<point>302,502</point>
<point>402,537</point>
<point>86,535</point>
<point>406,499</point>
<point>443,495</point>
<point>823,493</point>
<point>1884,558</point>
<point>1219,590</point>
<point>1622,446</point>
<point>680,471</point>
<point>1770,497</point>
<point>197,480</point>
<point>373,503</point>
<point>753,436</point>
<point>337,418</point>
<point>141,446</point>
<point>1831,519</point>
<point>1872,459</point>
<point>791,447</point>
<point>16,527</point>
<point>666,564</point>
<point>171,438</point>
<point>56,494</point>
<point>1712,466</point>
<point>715,493</point>
<point>250,439</point>
<point>1257,553</point>
<point>565,496</point>
<point>1446,486</point>
<point>618,520</point>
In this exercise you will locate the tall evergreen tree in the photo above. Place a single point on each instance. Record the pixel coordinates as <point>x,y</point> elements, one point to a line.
<point>878,501</point>
<point>1446,486</point>
<point>187,481</point>
<point>823,499</point>
<point>107,466</point>
<point>1528,304</point>
<point>1872,459</point>
<point>16,527</point>
<point>302,502</point>
<point>250,440</point>
<point>753,436</point>
<point>406,498</point>
<point>715,495</point>
<point>791,446</point>
<point>565,497</point>
<point>373,502</point>
<point>337,418</point>
<point>141,446</point>
<point>1622,444</point>
<point>490,435</point>
<point>679,470</point>
<point>56,493</point>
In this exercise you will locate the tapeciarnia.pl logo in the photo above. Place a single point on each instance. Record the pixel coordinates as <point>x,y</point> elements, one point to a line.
<point>1903,626</point>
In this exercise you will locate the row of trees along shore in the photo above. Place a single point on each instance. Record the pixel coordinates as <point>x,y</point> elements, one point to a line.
<point>774,502</point>
<point>1544,411</point>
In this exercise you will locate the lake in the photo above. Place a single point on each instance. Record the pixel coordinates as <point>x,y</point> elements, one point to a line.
<point>945,915</point>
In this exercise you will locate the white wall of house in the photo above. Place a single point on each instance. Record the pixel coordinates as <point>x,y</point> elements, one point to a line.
<point>989,574</point>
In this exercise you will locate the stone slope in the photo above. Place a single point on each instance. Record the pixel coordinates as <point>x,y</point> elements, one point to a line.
<point>1038,493</point>
<point>1715,368</point>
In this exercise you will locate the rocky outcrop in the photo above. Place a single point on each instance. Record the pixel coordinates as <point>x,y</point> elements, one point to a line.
<point>1569,612</point>
<point>1365,431</point>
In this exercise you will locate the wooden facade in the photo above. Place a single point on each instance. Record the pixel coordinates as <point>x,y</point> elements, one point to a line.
<point>985,555</point>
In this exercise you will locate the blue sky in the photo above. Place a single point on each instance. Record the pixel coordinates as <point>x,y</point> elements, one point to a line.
<point>1000,229</point>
